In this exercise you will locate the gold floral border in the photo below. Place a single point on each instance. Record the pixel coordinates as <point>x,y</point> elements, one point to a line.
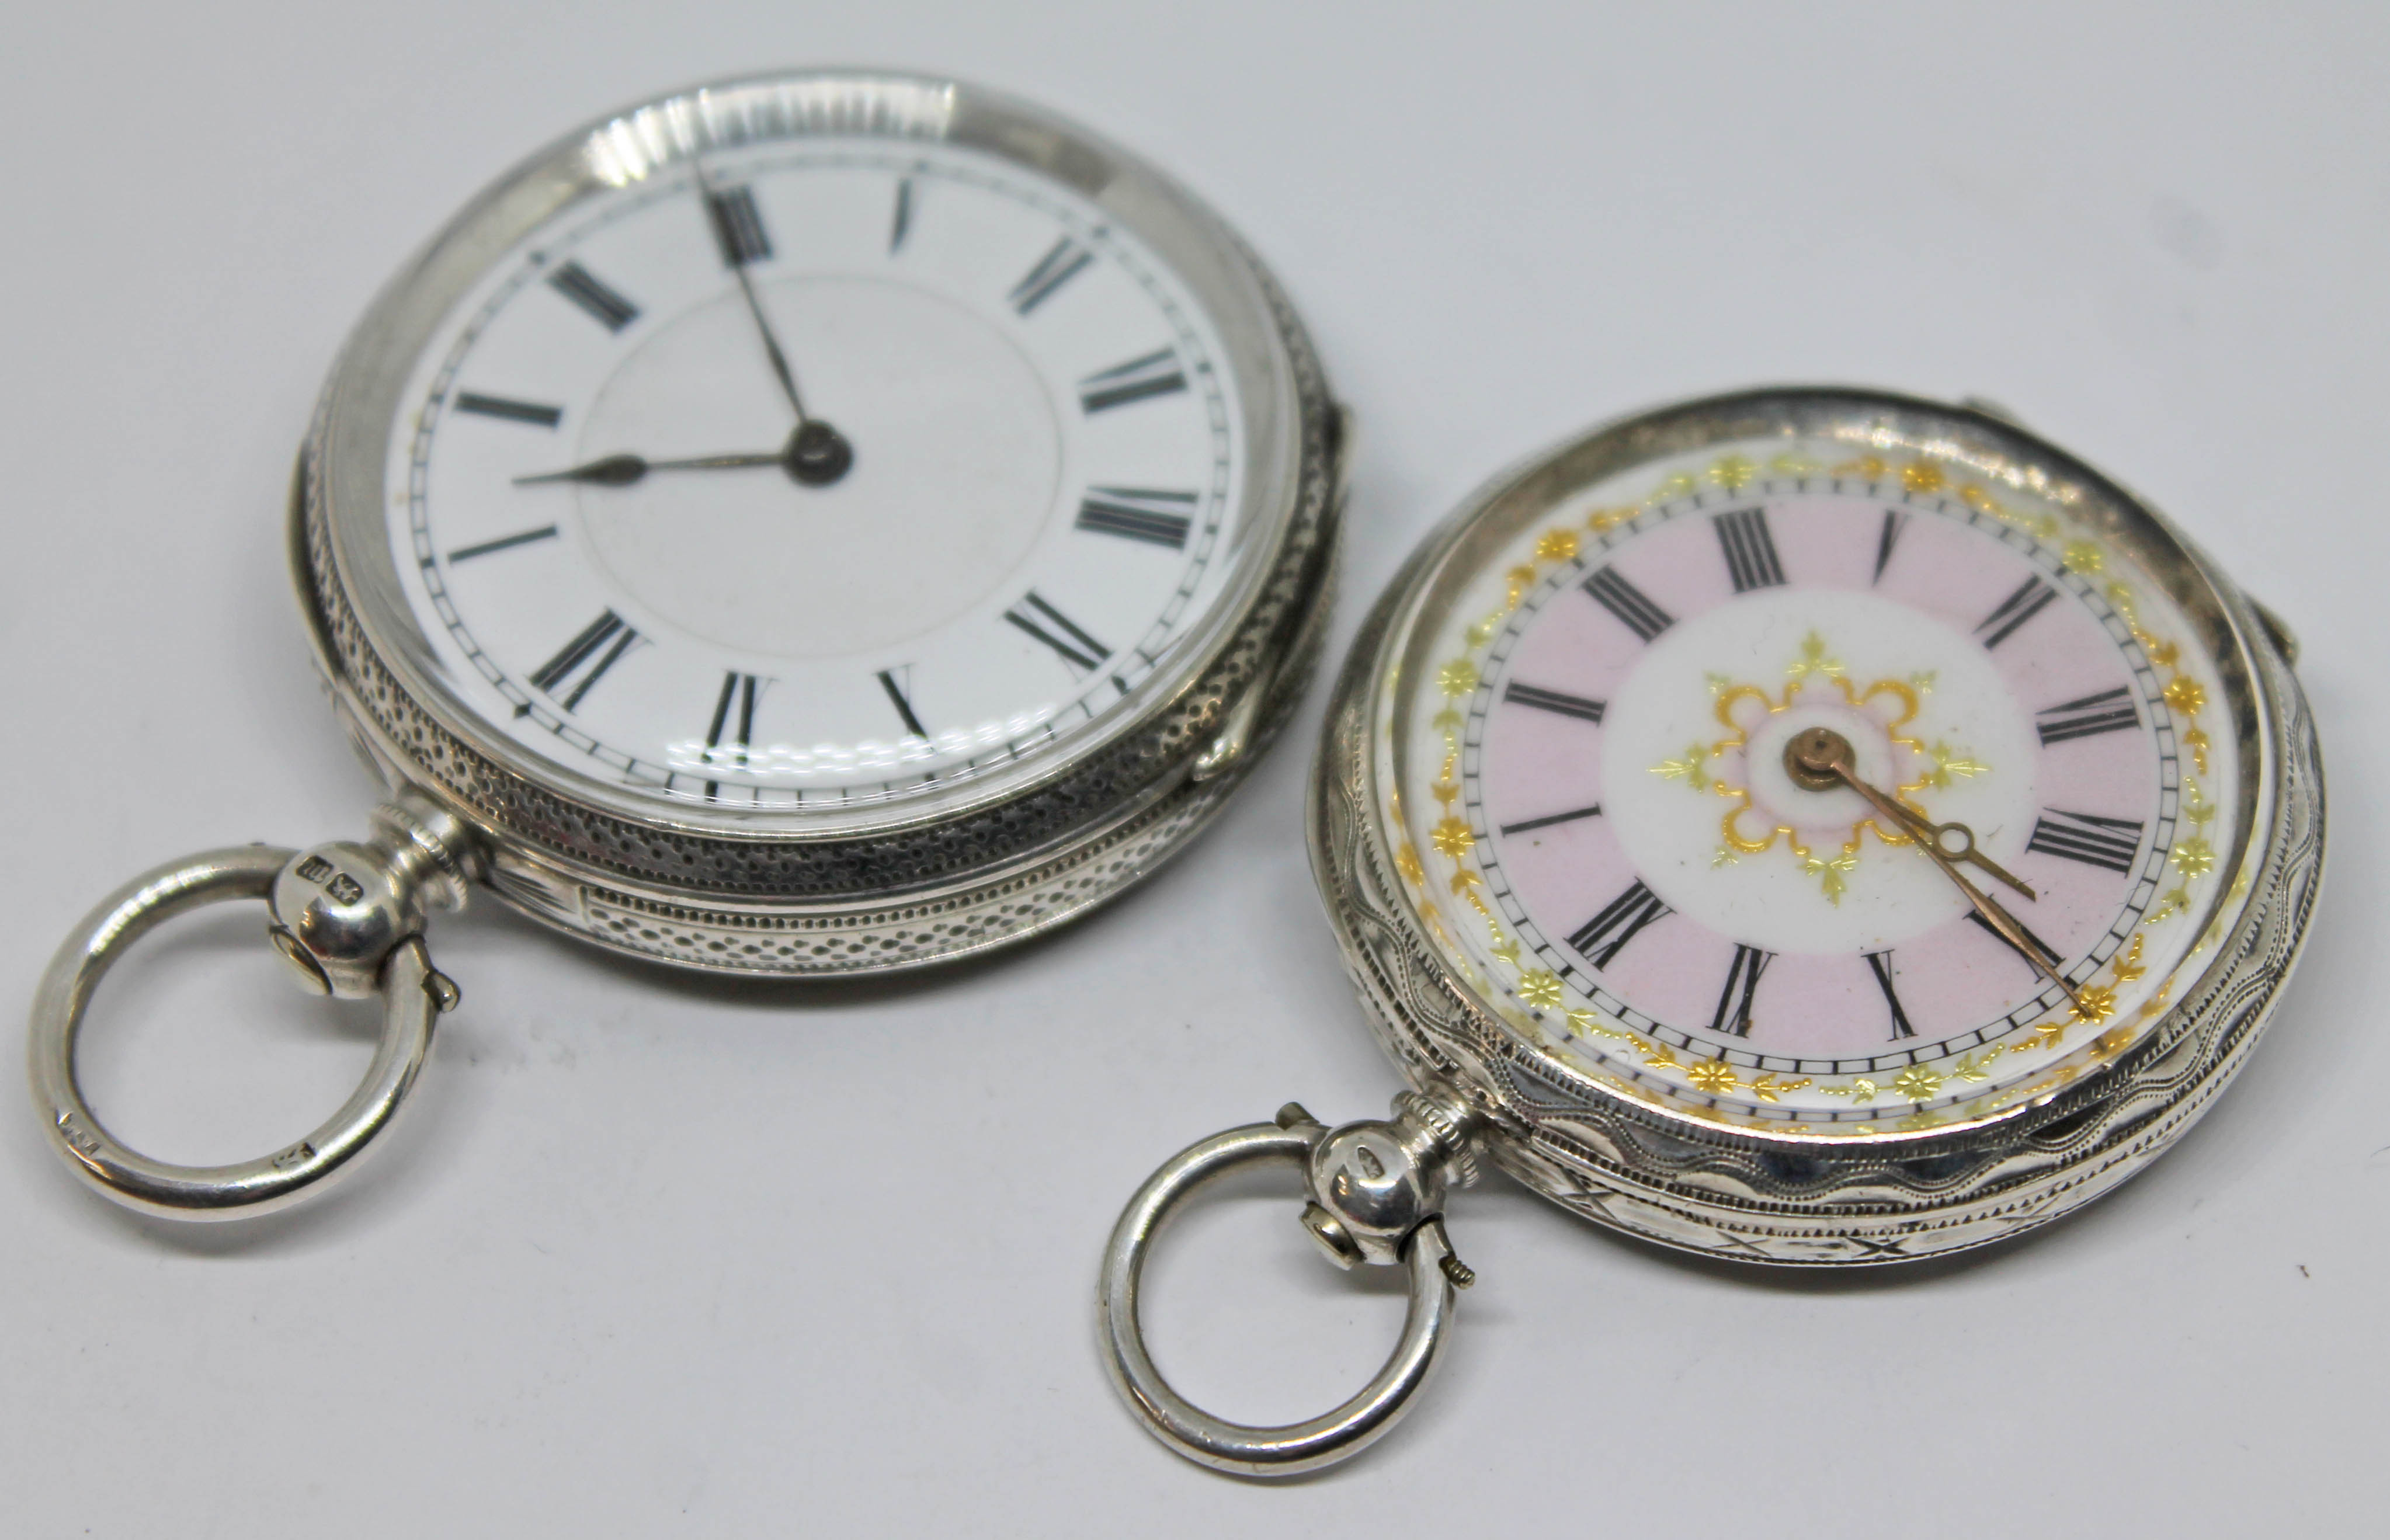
<point>2193,856</point>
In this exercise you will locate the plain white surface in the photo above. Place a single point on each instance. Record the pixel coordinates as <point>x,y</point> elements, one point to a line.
<point>655,1258</point>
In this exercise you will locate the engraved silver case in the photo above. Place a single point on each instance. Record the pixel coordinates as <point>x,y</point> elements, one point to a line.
<point>1729,1191</point>
<point>948,873</point>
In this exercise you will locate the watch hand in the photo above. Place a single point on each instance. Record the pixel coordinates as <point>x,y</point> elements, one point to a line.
<point>817,454</point>
<point>1821,757</point>
<point>622,471</point>
<point>1927,832</point>
<point>802,457</point>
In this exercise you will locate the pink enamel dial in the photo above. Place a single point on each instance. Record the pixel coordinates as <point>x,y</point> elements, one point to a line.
<point>1596,807</point>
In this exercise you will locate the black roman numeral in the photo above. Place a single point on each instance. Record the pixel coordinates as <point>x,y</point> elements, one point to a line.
<point>558,671</point>
<point>1156,374</point>
<point>1630,604</point>
<point>1741,985</point>
<point>1549,819</point>
<point>2032,597</point>
<point>2109,844</point>
<point>1552,701</point>
<point>737,225</point>
<point>504,543</point>
<point>1894,520</point>
<point>900,225</point>
<point>2109,712</point>
<point>1879,964</point>
<point>736,731</point>
<point>1600,939</point>
<point>1138,513</point>
<point>1075,646</point>
<point>903,702</point>
<point>1062,263</point>
<point>2048,953</point>
<point>607,307</point>
<point>510,411</point>
<point>1750,549</point>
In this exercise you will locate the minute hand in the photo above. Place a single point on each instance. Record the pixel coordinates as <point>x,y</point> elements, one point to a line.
<point>818,453</point>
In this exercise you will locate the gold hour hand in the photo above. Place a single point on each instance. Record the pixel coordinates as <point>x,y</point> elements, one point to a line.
<point>1820,757</point>
<point>1955,840</point>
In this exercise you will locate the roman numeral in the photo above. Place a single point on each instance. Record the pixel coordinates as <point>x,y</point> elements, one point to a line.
<point>901,224</point>
<point>898,698</point>
<point>559,669</point>
<point>1049,625</point>
<point>1062,263</point>
<point>1133,513</point>
<point>1600,939</point>
<point>1630,604</point>
<point>2109,844</point>
<point>507,542</point>
<point>1733,1016</point>
<point>607,308</point>
<point>2049,952</point>
<point>1750,549</point>
<point>1549,819</point>
<point>2032,597</point>
<point>1552,701</point>
<point>1156,374</point>
<point>2109,712</point>
<point>739,690</point>
<point>737,225</point>
<point>1879,964</point>
<point>509,411</point>
<point>1894,520</point>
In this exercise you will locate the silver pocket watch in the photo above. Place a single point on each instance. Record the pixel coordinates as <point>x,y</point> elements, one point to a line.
<point>826,523</point>
<point>1811,826</point>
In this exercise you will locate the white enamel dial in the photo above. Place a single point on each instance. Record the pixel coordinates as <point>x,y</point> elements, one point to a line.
<point>629,560</point>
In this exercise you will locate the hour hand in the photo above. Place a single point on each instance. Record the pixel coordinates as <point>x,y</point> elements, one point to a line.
<point>1821,758</point>
<point>1953,841</point>
<point>614,470</point>
<point>622,471</point>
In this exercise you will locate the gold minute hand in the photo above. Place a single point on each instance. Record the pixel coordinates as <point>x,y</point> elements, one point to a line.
<point>1821,757</point>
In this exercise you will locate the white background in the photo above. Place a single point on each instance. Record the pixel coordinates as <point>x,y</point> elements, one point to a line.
<point>657,1258</point>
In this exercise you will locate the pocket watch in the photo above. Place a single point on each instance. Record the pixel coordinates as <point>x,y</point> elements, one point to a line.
<point>1812,827</point>
<point>826,523</point>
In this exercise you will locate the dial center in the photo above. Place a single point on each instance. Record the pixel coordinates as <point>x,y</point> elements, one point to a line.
<point>817,455</point>
<point>956,477</point>
<point>1813,758</point>
<point>1708,751</point>
<point>1776,768</point>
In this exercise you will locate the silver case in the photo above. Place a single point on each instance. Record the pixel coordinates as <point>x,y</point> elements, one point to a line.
<point>1729,1192</point>
<point>994,862</point>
